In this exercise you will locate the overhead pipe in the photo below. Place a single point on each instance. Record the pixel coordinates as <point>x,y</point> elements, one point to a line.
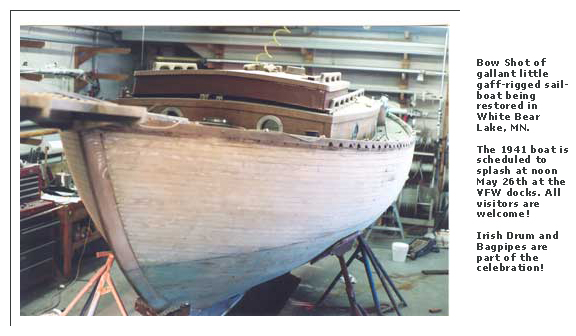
<point>332,66</point>
<point>53,71</point>
<point>96,30</point>
<point>315,42</point>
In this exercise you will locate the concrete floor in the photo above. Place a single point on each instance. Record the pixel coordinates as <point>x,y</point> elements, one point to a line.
<point>421,292</point>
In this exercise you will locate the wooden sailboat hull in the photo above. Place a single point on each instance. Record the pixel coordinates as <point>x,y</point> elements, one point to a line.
<point>197,214</point>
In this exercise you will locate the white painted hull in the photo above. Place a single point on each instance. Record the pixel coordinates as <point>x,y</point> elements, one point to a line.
<point>204,217</point>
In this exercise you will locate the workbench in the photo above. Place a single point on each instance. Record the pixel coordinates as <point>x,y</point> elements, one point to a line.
<point>76,229</point>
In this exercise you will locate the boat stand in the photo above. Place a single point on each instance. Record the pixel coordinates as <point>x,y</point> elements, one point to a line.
<point>363,253</point>
<point>103,284</point>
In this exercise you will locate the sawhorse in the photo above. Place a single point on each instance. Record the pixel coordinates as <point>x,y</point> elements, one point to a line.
<point>103,284</point>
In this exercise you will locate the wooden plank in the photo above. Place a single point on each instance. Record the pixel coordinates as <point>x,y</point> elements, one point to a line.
<point>66,241</point>
<point>32,77</point>
<point>101,50</point>
<point>38,132</point>
<point>115,77</point>
<point>57,110</point>
<point>83,54</point>
<point>28,141</point>
<point>32,44</point>
<point>80,58</point>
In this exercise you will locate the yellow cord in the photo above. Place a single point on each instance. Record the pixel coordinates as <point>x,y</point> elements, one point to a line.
<point>275,41</point>
<point>285,29</point>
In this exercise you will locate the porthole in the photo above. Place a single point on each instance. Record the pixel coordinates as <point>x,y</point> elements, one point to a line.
<point>172,111</point>
<point>271,123</point>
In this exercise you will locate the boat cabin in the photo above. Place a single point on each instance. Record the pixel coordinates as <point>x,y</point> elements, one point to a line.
<point>264,98</point>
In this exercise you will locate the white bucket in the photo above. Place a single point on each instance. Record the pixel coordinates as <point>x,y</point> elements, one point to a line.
<point>399,251</point>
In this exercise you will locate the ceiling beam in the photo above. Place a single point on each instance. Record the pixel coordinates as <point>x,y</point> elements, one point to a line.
<point>287,41</point>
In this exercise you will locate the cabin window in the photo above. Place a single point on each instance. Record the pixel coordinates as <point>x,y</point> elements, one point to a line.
<point>172,111</point>
<point>312,133</point>
<point>271,123</point>
<point>355,132</point>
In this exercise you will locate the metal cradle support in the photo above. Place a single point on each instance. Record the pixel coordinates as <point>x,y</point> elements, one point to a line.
<point>363,253</point>
<point>102,284</point>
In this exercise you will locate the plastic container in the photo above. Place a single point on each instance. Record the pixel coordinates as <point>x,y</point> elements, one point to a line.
<point>399,251</point>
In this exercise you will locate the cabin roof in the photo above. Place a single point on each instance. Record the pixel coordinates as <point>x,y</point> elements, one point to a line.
<point>280,77</point>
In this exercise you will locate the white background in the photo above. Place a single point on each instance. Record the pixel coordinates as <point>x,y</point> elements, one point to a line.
<point>527,303</point>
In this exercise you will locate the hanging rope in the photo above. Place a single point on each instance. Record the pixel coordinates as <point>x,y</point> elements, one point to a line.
<point>275,41</point>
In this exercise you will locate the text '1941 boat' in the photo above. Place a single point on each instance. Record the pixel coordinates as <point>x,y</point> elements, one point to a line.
<point>206,183</point>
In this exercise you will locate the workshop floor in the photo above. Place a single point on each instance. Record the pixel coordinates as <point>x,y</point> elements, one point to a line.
<point>421,292</point>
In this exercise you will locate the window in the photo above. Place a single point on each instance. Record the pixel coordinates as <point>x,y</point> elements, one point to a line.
<point>172,111</point>
<point>355,132</point>
<point>271,123</point>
